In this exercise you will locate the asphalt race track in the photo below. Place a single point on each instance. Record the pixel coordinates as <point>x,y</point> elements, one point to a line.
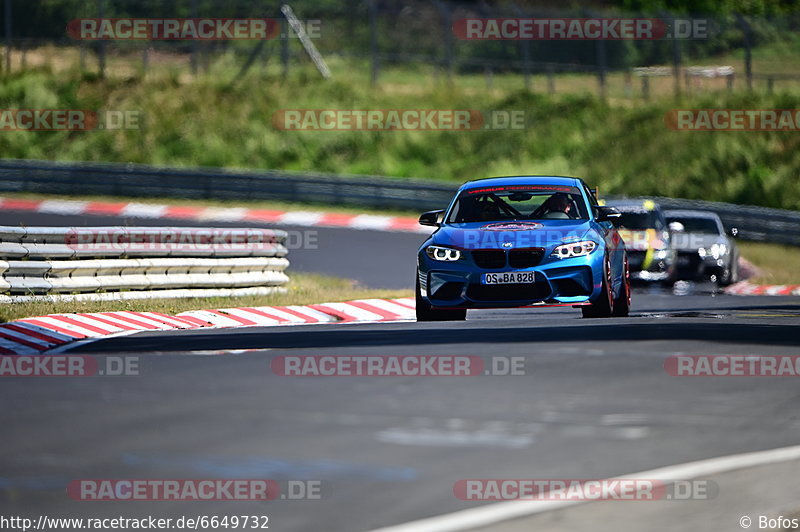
<point>594,401</point>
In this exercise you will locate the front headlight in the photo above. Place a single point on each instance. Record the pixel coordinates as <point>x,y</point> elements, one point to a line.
<point>661,254</point>
<point>443,254</point>
<point>574,249</point>
<point>718,250</point>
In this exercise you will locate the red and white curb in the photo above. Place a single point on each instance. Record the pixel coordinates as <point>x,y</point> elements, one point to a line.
<point>41,334</point>
<point>745,288</point>
<point>216,214</point>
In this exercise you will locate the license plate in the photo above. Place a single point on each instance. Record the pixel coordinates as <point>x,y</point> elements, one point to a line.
<point>508,278</point>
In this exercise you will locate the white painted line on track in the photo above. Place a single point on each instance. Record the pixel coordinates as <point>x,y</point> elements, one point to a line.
<point>505,511</point>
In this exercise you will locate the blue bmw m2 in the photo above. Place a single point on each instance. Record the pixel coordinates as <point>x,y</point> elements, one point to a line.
<point>519,242</point>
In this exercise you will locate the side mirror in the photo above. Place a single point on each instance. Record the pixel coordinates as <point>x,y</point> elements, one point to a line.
<point>607,214</point>
<point>433,218</point>
<point>734,232</point>
<point>676,227</point>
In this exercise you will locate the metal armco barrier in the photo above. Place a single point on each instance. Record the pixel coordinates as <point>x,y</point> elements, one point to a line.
<point>162,260</point>
<point>16,175</point>
<point>760,224</point>
<point>216,183</point>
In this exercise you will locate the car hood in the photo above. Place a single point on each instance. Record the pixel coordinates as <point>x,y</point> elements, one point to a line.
<point>694,241</point>
<point>510,235</point>
<point>641,239</point>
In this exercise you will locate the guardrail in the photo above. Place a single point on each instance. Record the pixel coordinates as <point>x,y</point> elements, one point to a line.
<point>133,180</point>
<point>761,224</point>
<point>163,261</point>
<point>17,175</point>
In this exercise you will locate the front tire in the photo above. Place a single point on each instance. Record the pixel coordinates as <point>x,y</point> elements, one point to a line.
<point>604,306</point>
<point>425,312</point>
<point>622,305</point>
<point>730,275</point>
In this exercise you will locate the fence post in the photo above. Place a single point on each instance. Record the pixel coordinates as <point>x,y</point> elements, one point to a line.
<point>447,39</point>
<point>601,67</point>
<point>602,61</point>
<point>526,51</point>
<point>646,88</point>
<point>730,83</point>
<point>373,41</point>
<point>748,50</point>
<point>193,58</point>
<point>101,44</point>
<point>284,48</point>
<point>7,11</point>
<point>676,63</point>
<point>551,80</point>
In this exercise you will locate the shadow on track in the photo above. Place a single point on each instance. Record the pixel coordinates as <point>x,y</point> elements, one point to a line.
<point>410,334</point>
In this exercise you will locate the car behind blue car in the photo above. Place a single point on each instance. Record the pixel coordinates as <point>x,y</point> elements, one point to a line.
<point>522,241</point>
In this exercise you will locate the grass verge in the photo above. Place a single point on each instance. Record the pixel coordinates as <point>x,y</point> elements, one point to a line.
<point>778,264</point>
<point>303,289</point>
<point>208,121</point>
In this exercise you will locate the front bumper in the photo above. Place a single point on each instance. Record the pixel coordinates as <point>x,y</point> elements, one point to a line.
<point>651,265</point>
<point>571,281</point>
<point>692,266</point>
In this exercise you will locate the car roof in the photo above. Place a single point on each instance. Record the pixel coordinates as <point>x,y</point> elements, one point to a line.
<point>686,213</point>
<point>633,204</point>
<point>522,180</point>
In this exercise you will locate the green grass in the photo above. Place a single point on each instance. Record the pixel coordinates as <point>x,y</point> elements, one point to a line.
<point>778,264</point>
<point>621,145</point>
<point>303,289</point>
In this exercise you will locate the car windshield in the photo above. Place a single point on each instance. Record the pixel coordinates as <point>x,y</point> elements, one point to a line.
<point>697,225</point>
<point>636,220</point>
<point>497,204</point>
